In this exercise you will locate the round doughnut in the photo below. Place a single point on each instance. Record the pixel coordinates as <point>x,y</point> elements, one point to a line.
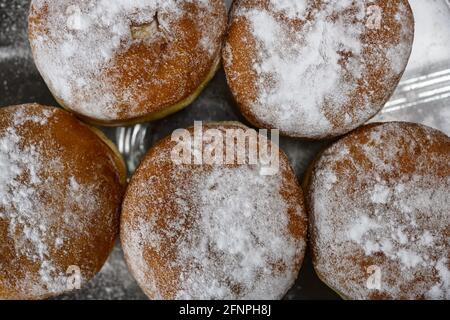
<point>379,205</point>
<point>119,62</point>
<point>316,69</point>
<point>61,187</point>
<point>213,231</point>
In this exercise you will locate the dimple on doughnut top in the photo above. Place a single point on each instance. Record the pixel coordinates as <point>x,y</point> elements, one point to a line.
<point>212,232</point>
<point>379,202</point>
<point>61,188</point>
<point>117,61</point>
<point>316,69</point>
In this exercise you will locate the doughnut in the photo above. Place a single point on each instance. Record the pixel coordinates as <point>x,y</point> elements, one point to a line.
<point>61,187</point>
<point>379,209</point>
<point>316,69</point>
<point>213,231</point>
<point>116,62</point>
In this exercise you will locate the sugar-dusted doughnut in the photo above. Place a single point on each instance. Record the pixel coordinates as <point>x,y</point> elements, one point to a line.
<point>316,69</point>
<point>118,62</point>
<point>379,204</point>
<point>61,186</point>
<point>213,231</point>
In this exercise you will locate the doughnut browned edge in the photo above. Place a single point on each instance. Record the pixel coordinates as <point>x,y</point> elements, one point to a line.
<point>86,149</point>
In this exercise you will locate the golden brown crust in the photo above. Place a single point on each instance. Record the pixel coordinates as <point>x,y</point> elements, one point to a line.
<point>161,65</point>
<point>155,115</point>
<point>60,201</point>
<point>163,213</point>
<point>378,200</point>
<point>306,97</point>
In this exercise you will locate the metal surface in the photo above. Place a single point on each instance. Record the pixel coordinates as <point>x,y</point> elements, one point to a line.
<point>423,96</point>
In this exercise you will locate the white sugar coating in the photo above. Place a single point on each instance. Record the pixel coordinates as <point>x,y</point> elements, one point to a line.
<point>30,207</point>
<point>227,235</point>
<point>380,194</point>
<point>309,73</point>
<point>382,215</point>
<point>441,290</point>
<point>19,205</point>
<point>294,9</point>
<point>240,228</point>
<point>77,52</point>
<point>244,221</point>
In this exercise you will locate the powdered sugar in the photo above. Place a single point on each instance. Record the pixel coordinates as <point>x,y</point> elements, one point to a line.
<point>294,9</point>
<point>227,236</point>
<point>389,208</point>
<point>82,40</point>
<point>380,194</point>
<point>236,234</point>
<point>441,290</point>
<point>19,205</point>
<point>38,207</point>
<point>309,70</point>
<point>318,73</point>
<point>361,227</point>
<point>236,222</point>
